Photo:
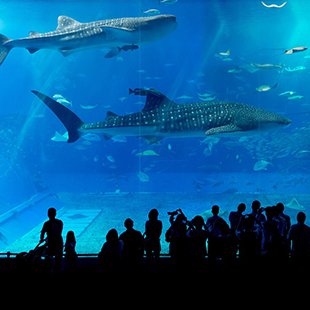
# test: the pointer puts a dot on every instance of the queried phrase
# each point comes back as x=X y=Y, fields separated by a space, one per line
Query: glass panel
x=192 y=150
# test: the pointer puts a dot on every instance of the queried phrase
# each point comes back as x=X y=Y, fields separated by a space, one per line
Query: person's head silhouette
x=51 y=213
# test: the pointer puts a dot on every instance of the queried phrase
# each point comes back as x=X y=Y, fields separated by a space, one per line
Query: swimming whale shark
x=161 y=117
x=118 y=34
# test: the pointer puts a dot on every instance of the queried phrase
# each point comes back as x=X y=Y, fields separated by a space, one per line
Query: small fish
x=143 y=177
x=147 y=153
x=287 y=93
x=274 y=5
x=110 y=158
x=205 y=94
x=57 y=96
x=264 y=88
x=295 y=50
x=207 y=98
x=267 y=66
x=184 y=97
x=168 y=1
x=226 y=53
x=261 y=165
x=234 y=70
x=303 y=154
x=152 y=11
x=60 y=138
x=297 y=68
x=88 y=107
x=62 y=100
x=119 y=138
x=295 y=97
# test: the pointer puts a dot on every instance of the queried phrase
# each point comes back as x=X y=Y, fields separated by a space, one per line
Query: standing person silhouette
x=133 y=250
x=71 y=257
x=52 y=228
x=152 y=233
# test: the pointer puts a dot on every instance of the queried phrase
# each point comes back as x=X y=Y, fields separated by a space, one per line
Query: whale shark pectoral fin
x=32 y=50
x=112 y=52
x=222 y=129
x=66 y=52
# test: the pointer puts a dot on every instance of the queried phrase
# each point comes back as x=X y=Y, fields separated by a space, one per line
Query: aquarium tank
x=112 y=108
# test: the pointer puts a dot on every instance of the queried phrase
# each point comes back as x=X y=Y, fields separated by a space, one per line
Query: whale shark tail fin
x=4 y=49
x=69 y=119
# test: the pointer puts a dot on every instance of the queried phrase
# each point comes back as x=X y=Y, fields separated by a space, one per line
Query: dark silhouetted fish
x=116 y=34
x=77 y=216
x=162 y=117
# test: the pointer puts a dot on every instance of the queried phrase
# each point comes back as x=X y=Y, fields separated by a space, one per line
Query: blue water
x=182 y=65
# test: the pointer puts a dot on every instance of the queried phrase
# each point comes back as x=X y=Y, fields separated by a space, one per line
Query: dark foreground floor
x=219 y=274
x=164 y=284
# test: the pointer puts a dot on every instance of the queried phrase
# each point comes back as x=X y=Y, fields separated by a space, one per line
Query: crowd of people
x=265 y=234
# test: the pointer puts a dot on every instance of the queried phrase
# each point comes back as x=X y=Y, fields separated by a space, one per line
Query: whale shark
x=117 y=34
x=162 y=117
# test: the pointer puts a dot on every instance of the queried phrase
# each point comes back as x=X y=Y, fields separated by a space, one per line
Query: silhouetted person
x=247 y=241
x=152 y=233
x=235 y=219
x=176 y=237
x=299 y=236
x=280 y=211
x=258 y=223
x=273 y=249
x=71 y=257
x=52 y=229
x=283 y=225
x=133 y=250
x=197 y=243
x=219 y=241
x=110 y=255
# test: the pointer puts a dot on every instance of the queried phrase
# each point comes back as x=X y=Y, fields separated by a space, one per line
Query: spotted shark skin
x=161 y=117
x=126 y=33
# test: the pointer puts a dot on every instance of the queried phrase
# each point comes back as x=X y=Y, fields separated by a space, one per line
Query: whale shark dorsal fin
x=154 y=98
x=34 y=33
x=65 y=22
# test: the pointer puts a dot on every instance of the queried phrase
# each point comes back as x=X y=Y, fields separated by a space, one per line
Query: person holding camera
x=176 y=236
x=197 y=241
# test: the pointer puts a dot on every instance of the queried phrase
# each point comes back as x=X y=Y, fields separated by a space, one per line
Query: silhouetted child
x=70 y=253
